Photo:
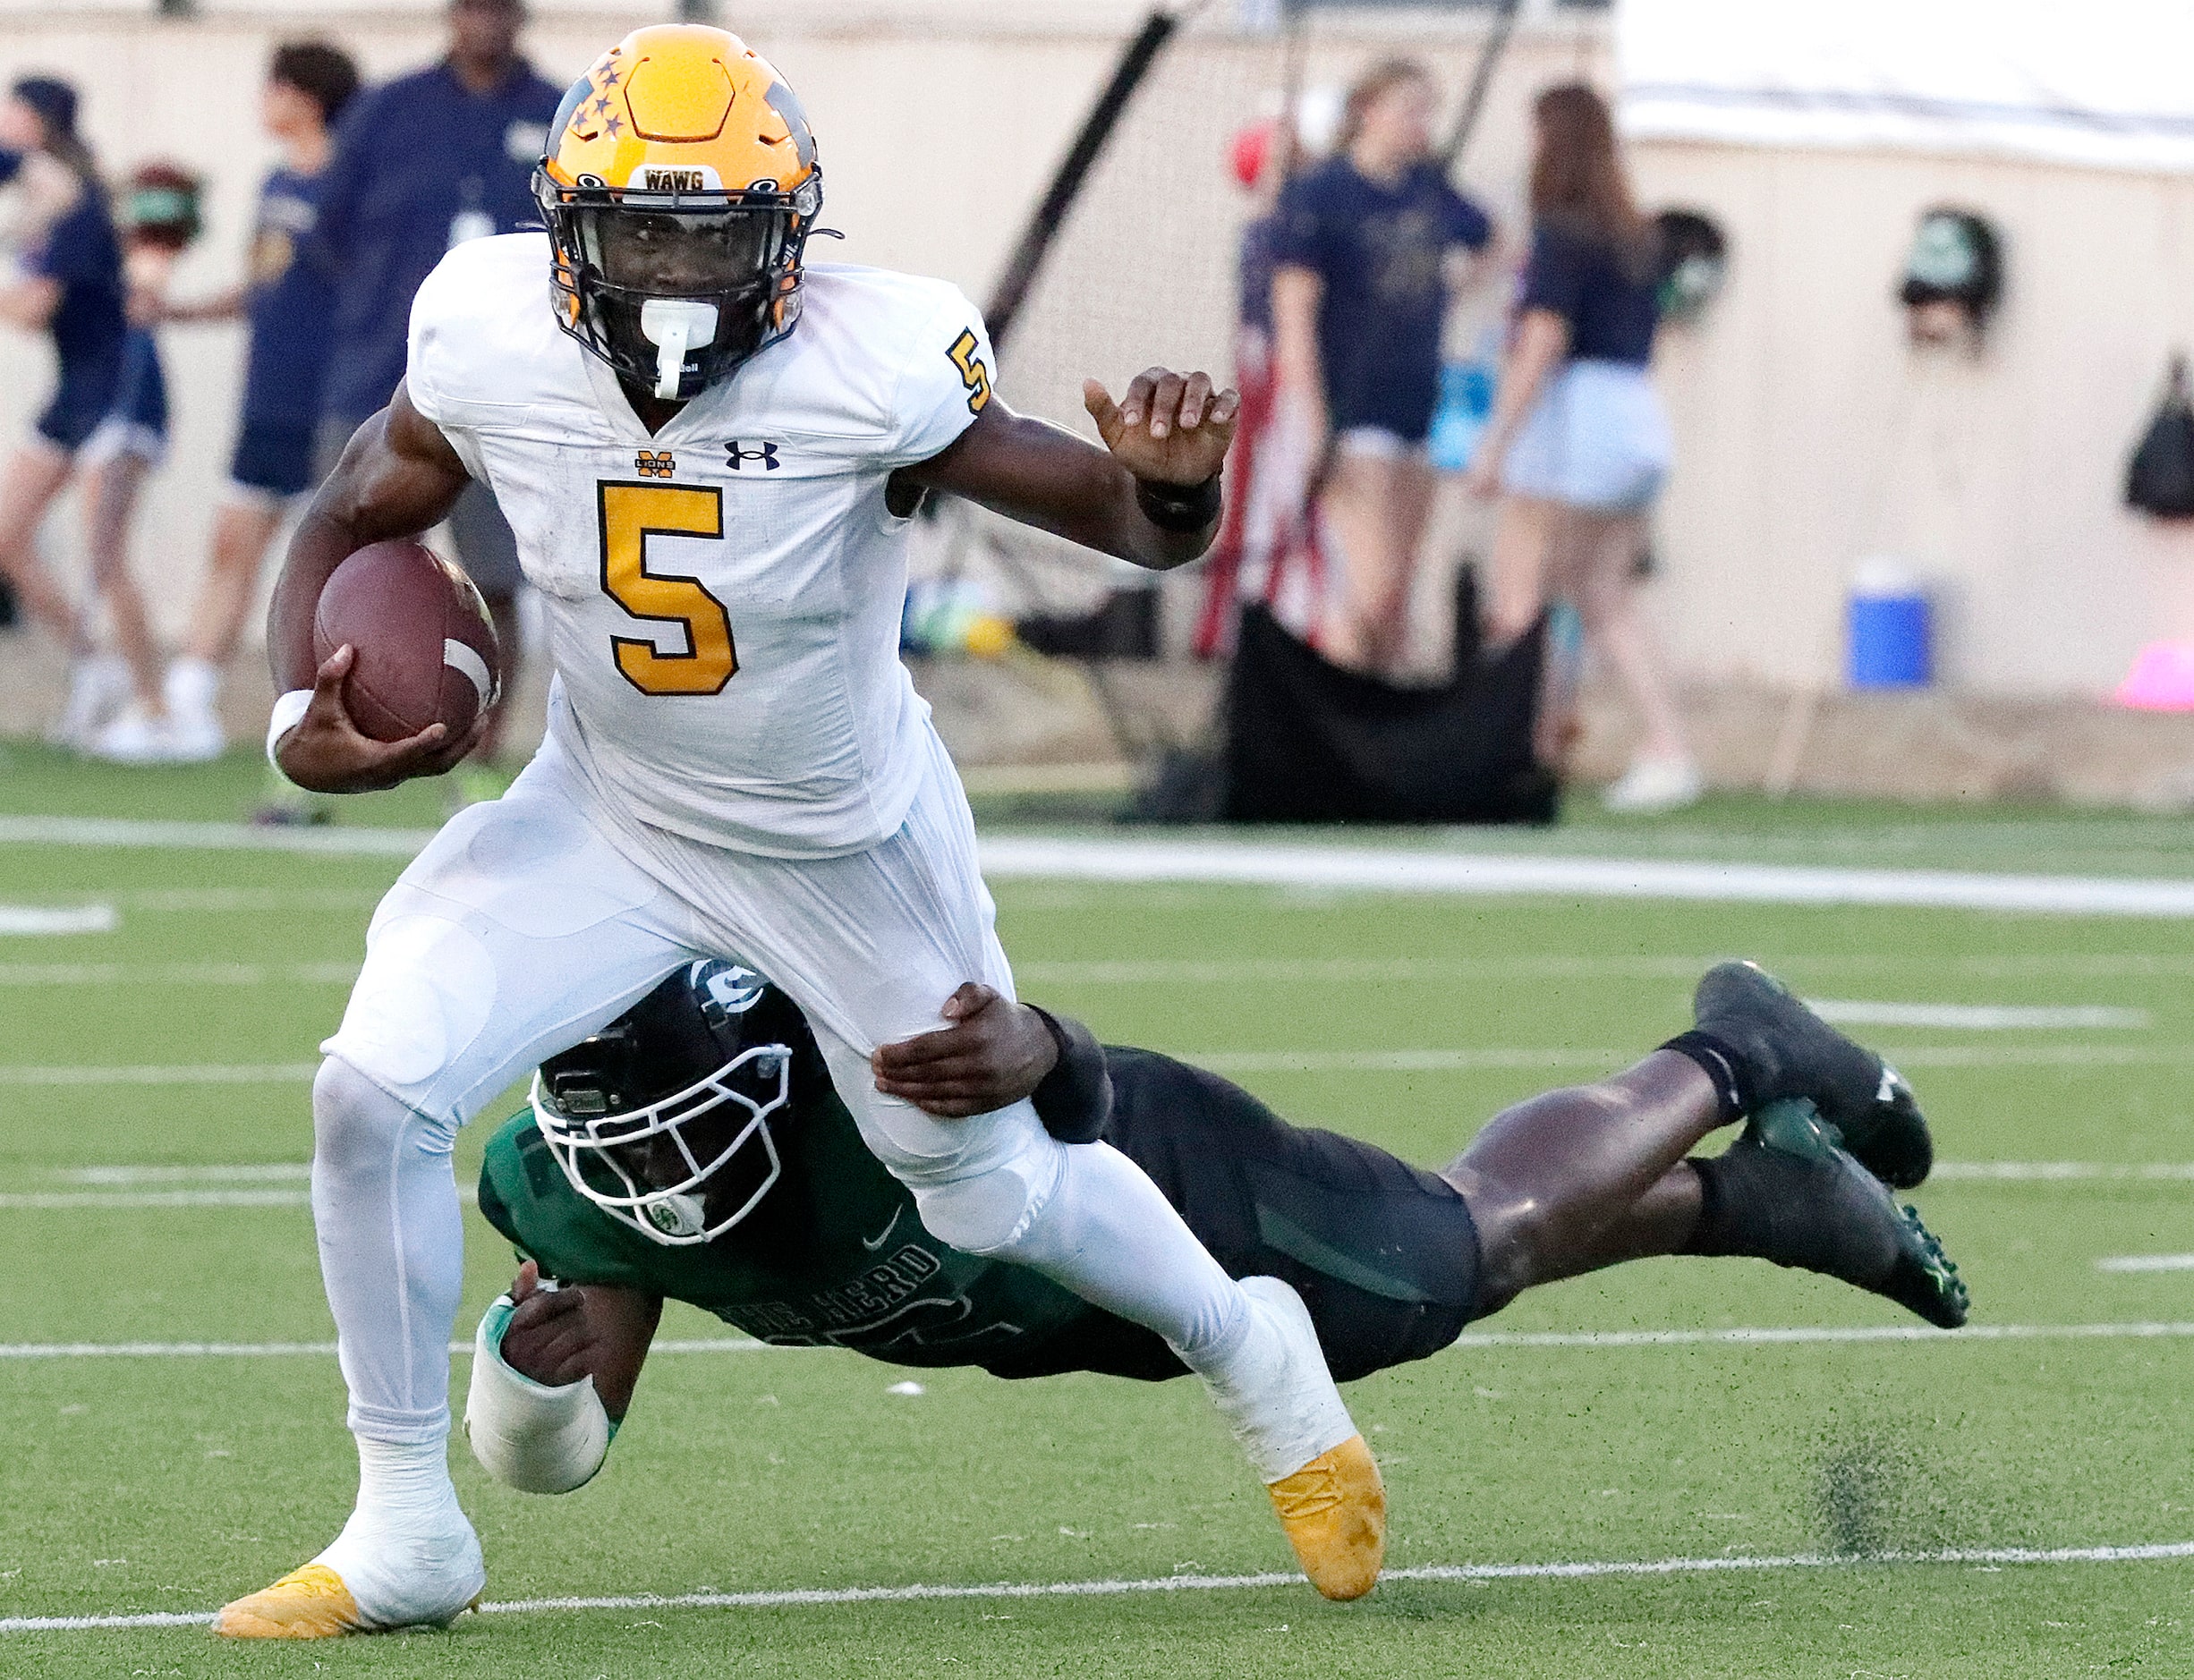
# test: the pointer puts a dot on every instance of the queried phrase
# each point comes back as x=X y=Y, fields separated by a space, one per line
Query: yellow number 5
x=974 y=375
x=630 y=514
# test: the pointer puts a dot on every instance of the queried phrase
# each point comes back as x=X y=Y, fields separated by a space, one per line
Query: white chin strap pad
x=534 y=1437
x=675 y=325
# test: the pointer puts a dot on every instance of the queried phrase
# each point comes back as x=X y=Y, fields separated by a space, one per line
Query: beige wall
x=1810 y=435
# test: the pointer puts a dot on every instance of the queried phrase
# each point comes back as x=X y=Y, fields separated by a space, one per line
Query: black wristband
x=1178 y=507
x=1075 y=1099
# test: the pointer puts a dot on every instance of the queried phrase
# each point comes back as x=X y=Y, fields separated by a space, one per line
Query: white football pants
x=529 y=923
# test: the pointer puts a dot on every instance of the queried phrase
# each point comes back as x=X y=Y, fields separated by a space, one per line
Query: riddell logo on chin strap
x=650 y=464
x=738 y=453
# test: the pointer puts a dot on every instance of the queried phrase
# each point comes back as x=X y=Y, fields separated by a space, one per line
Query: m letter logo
x=654 y=464
x=737 y=453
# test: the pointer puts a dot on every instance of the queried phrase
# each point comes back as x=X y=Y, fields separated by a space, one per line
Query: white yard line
x=173 y=1074
x=1436 y=970
x=211 y=837
x=2059 y=1172
x=1276 y=1061
x=57 y=1200
x=311 y=1349
x=44 y=974
x=1970 y=1557
x=1369 y=870
x=1607 y=1341
x=1438 y=1061
x=54 y=919
x=2146 y=1263
x=122 y=1177
x=1362 y=868
x=1850 y=1011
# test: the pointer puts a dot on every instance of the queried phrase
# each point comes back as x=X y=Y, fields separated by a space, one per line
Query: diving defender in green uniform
x=695 y=1150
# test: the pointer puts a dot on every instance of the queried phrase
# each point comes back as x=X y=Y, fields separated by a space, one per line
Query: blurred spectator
x=421 y=164
x=159 y=219
x=288 y=296
x=1364 y=243
x=68 y=283
x=1578 y=446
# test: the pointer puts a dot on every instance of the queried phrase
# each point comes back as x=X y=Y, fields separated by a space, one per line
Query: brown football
x=427 y=651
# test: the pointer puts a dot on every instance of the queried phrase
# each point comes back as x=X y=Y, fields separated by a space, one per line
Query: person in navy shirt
x=1365 y=244
x=68 y=285
x=288 y=298
x=424 y=163
x=1579 y=447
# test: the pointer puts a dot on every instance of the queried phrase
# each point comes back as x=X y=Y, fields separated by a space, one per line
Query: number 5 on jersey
x=631 y=514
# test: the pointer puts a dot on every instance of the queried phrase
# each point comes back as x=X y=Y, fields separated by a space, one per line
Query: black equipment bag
x=2160 y=478
x=1308 y=742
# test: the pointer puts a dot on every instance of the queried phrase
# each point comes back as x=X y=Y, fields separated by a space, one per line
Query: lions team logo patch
x=655 y=463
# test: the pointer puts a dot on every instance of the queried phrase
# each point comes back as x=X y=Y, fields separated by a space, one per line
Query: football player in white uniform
x=712 y=505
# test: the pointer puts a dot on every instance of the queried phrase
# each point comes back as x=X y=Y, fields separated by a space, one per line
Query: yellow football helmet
x=679 y=188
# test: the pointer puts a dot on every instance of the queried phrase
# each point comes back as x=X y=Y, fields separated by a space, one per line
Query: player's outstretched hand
x=558 y=1335
x=993 y=1053
x=1170 y=429
x=328 y=753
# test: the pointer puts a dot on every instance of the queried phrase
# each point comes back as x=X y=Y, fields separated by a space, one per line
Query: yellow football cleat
x=308 y=1603
x=1334 y=1510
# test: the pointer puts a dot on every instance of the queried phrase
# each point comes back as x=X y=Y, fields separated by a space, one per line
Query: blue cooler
x=1889 y=629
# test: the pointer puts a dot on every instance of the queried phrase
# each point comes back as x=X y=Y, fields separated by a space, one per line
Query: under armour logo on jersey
x=738 y=453
x=654 y=464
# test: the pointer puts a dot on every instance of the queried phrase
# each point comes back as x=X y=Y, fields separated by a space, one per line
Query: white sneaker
x=195 y=738
x=364 y=1584
x=1651 y=785
x=136 y=736
x=1278 y=1397
x=98 y=687
x=191 y=689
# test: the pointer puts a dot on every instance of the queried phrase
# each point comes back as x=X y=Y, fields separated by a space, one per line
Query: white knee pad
x=989 y=1212
x=531 y=1435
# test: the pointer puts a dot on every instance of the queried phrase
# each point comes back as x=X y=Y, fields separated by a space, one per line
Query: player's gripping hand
x=557 y=1336
x=328 y=753
x=992 y=1053
x=1170 y=429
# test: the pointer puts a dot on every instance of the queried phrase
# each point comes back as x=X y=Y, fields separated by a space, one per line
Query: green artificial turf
x=140 y=1484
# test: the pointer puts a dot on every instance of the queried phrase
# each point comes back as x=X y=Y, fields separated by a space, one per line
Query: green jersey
x=835 y=1255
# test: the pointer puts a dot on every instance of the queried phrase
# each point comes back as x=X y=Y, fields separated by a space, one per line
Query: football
x=426 y=647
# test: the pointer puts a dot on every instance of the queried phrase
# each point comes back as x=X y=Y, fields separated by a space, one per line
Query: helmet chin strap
x=673 y=326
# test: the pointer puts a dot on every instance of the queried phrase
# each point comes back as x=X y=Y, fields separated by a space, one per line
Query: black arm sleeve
x=1076 y=1098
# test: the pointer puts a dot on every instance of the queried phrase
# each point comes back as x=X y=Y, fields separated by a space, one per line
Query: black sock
x=1728 y=1070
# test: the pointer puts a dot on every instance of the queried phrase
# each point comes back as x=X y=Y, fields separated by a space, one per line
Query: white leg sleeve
x=1109 y=1233
x=392 y=1251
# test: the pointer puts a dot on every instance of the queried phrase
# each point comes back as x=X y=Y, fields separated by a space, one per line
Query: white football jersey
x=723 y=597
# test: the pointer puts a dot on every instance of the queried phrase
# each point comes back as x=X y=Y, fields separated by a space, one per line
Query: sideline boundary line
x=1363 y=869
x=1583 y=1570
x=1754 y=1336
x=1355 y=869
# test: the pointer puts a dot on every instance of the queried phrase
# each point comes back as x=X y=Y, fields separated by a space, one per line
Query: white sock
x=408 y=1555
x=191 y=686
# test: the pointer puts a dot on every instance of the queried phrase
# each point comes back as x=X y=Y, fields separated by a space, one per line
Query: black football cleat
x=1787 y=1051
x=1784 y=1192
